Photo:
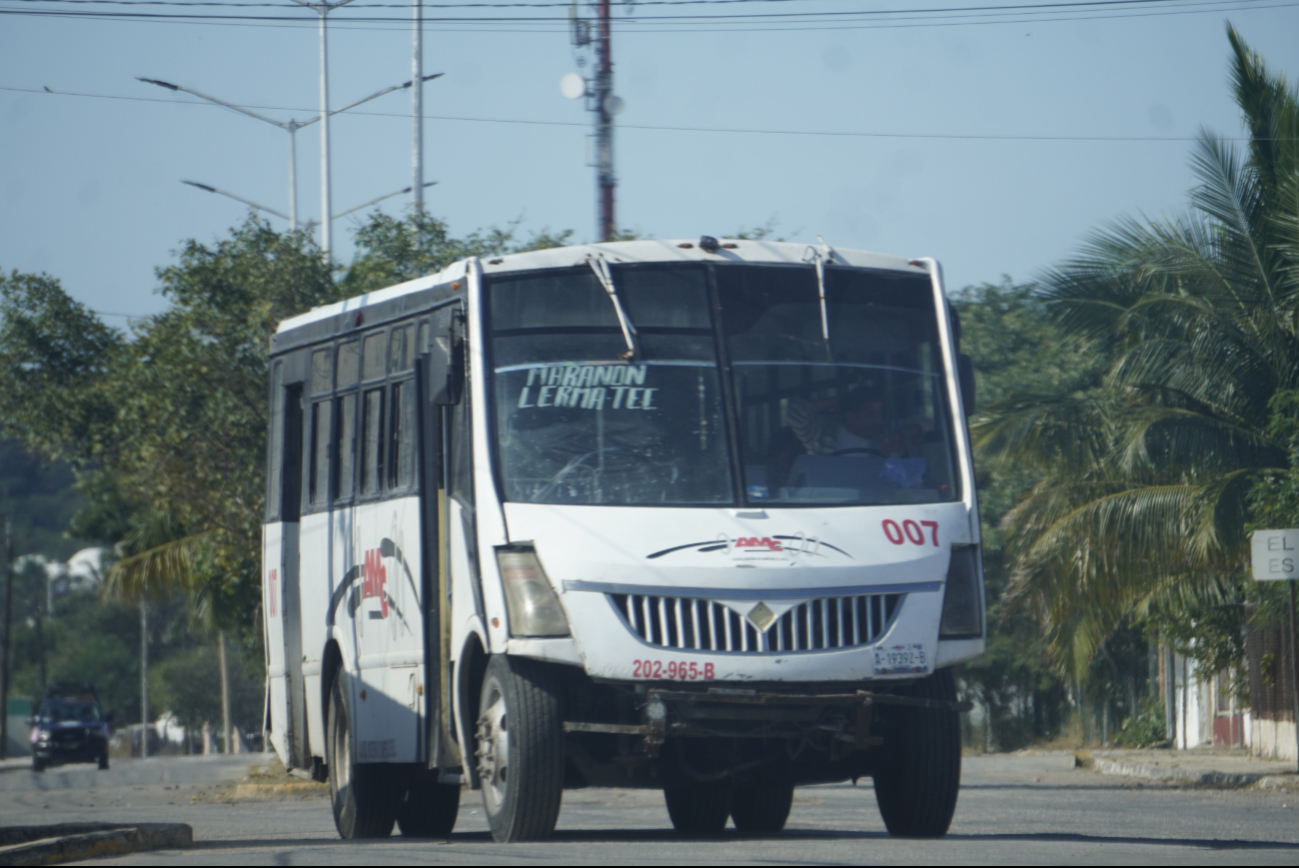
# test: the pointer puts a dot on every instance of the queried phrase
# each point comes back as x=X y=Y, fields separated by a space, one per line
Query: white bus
x=695 y=516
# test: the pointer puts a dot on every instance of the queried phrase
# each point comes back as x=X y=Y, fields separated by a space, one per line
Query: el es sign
x=1275 y=555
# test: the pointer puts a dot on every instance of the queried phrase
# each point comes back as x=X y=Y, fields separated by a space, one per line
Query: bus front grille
x=694 y=624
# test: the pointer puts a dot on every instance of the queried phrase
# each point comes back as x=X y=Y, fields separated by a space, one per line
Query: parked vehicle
x=693 y=516
x=69 y=727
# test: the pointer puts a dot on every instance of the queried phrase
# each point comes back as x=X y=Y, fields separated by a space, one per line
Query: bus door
x=439 y=374
x=282 y=612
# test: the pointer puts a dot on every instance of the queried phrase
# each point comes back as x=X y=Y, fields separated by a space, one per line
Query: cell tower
x=593 y=37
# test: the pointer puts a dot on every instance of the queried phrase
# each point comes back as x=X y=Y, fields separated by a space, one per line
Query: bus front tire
x=761 y=809
x=365 y=796
x=430 y=809
x=698 y=809
x=520 y=749
x=919 y=775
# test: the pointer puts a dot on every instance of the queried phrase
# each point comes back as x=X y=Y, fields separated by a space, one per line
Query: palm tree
x=1145 y=481
x=157 y=559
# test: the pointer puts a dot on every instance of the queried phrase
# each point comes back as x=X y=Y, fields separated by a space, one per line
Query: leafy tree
x=391 y=250
x=1144 y=481
x=1016 y=349
x=39 y=501
x=182 y=684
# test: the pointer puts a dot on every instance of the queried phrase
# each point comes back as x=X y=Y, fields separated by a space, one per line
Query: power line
x=1132 y=8
x=661 y=128
x=499 y=5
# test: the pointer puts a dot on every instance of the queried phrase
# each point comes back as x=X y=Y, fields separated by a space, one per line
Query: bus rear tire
x=520 y=751
x=365 y=796
x=761 y=809
x=698 y=809
x=919 y=775
x=430 y=809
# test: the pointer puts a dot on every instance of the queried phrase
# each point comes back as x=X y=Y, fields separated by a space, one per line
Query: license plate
x=901 y=660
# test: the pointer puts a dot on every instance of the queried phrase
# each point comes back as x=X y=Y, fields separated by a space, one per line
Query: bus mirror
x=965 y=372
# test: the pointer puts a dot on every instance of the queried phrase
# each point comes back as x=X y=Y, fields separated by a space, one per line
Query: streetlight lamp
x=250 y=203
x=207 y=188
x=290 y=126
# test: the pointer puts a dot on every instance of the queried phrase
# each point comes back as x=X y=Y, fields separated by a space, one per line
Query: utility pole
x=604 y=127
x=417 y=106
x=144 y=679
x=1170 y=695
x=4 y=667
x=225 y=692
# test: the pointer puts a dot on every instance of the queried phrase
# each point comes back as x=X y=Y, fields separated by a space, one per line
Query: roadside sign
x=1275 y=555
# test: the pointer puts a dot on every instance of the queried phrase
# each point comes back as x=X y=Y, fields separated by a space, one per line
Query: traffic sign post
x=1275 y=558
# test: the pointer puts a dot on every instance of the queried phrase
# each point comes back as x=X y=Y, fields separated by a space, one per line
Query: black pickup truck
x=70 y=727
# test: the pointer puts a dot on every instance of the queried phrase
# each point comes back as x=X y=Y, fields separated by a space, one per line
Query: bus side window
x=399 y=350
x=345 y=446
x=372 y=438
x=462 y=461
x=320 y=436
x=401 y=436
x=275 y=452
x=372 y=364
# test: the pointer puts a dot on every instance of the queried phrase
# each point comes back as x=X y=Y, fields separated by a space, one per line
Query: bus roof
x=668 y=250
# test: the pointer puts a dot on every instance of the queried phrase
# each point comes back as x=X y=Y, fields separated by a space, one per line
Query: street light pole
x=323 y=9
x=417 y=106
x=291 y=127
x=326 y=221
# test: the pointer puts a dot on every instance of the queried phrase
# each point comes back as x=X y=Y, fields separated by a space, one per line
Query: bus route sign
x=1275 y=555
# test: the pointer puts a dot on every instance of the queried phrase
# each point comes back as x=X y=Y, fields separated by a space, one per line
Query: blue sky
x=90 y=192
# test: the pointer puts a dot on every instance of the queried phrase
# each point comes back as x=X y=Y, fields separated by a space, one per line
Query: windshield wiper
x=601 y=269
x=818 y=256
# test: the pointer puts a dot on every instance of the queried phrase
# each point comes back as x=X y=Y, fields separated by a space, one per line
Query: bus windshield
x=859 y=418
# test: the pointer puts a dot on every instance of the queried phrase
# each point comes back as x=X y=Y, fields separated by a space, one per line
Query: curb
x=1185 y=776
x=1166 y=773
x=64 y=842
x=1279 y=782
x=270 y=791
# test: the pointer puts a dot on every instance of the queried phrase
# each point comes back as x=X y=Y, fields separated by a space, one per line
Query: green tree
x=1143 y=484
x=183 y=684
x=1016 y=349
x=390 y=250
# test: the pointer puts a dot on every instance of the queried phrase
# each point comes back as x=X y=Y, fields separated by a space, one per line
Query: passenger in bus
x=858 y=426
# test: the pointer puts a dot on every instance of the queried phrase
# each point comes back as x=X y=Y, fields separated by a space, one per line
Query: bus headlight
x=532 y=606
x=962 y=618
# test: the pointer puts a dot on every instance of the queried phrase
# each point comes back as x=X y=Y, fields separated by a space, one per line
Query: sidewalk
x=1207 y=766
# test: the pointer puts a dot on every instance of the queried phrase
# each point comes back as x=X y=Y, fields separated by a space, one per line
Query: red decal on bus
x=375 y=577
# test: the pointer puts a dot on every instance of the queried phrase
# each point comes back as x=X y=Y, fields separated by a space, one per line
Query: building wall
x=1274 y=739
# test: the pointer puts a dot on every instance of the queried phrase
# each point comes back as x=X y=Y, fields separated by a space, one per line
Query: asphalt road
x=1013 y=809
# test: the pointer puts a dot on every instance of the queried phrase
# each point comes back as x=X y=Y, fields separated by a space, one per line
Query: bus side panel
x=317 y=585
x=384 y=615
x=273 y=625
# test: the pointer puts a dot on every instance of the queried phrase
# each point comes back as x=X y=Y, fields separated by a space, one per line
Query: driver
x=858 y=426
